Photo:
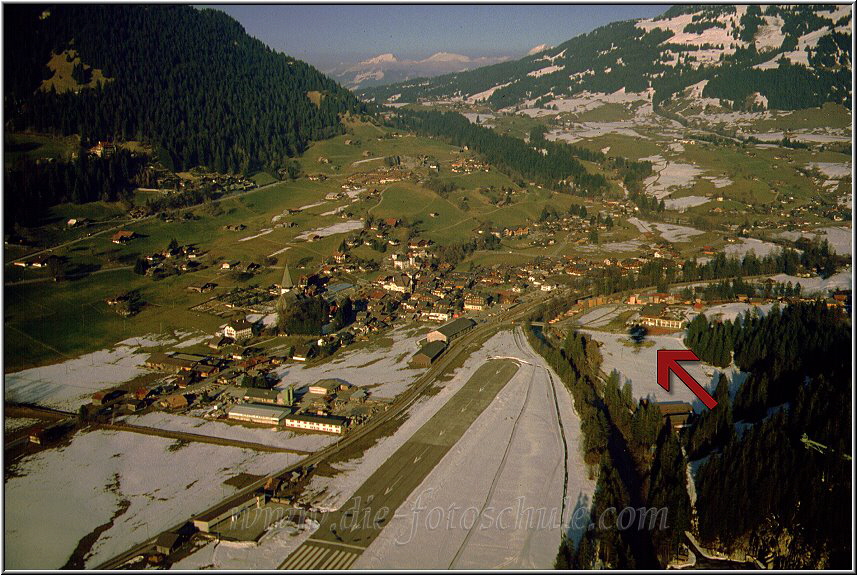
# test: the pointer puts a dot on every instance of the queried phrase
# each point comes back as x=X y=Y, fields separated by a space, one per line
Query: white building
x=326 y=423
x=255 y=413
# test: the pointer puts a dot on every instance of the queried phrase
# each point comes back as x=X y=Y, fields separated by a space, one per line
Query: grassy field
x=17 y=145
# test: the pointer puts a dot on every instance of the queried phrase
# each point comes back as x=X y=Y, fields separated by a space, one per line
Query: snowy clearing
x=674 y=234
x=730 y=311
x=60 y=495
x=669 y=176
x=840 y=280
x=384 y=369
x=639 y=367
x=339 y=228
x=747 y=245
x=259 y=235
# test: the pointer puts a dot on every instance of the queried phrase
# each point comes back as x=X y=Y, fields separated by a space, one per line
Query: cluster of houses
x=468 y=165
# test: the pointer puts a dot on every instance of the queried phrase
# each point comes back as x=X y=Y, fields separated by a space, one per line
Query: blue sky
x=325 y=35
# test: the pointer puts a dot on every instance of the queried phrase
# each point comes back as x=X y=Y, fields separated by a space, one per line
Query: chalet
x=399 y=283
x=675 y=413
x=268 y=396
x=452 y=330
x=122 y=237
x=340 y=257
x=230 y=265
x=391 y=222
x=654 y=315
x=475 y=302
x=103 y=149
x=106 y=397
x=238 y=329
x=219 y=342
x=164 y=362
x=174 y=402
x=303 y=352
x=202 y=288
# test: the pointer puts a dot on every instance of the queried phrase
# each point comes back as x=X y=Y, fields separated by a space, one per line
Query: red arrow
x=668 y=361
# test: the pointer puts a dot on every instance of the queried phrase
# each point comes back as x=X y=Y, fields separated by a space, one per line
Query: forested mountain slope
x=190 y=81
x=783 y=57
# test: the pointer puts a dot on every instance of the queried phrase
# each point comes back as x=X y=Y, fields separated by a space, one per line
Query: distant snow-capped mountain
x=387 y=68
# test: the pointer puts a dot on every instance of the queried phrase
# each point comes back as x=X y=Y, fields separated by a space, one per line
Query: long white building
x=255 y=413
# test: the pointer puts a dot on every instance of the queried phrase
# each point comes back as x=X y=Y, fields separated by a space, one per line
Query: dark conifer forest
x=190 y=81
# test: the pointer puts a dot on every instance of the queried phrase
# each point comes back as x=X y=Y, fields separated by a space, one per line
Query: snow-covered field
x=639 y=367
x=682 y=204
x=669 y=176
x=839 y=237
x=69 y=384
x=674 y=234
x=264 y=232
x=338 y=228
x=747 y=245
x=265 y=436
x=729 y=311
x=384 y=368
x=509 y=512
x=669 y=232
x=840 y=280
x=58 y=496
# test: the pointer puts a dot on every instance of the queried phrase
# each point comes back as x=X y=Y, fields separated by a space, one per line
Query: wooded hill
x=190 y=81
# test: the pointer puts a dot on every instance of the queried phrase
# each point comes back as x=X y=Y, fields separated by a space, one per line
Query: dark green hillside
x=190 y=81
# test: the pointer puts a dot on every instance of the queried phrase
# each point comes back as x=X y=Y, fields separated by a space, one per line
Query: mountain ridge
x=785 y=57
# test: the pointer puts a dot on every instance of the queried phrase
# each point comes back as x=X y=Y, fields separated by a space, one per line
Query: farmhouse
x=122 y=237
x=255 y=413
x=428 y=354
x=675 y=413
x=475 y=302
x=452 y=330
x=238 y=329
x=164 y=362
